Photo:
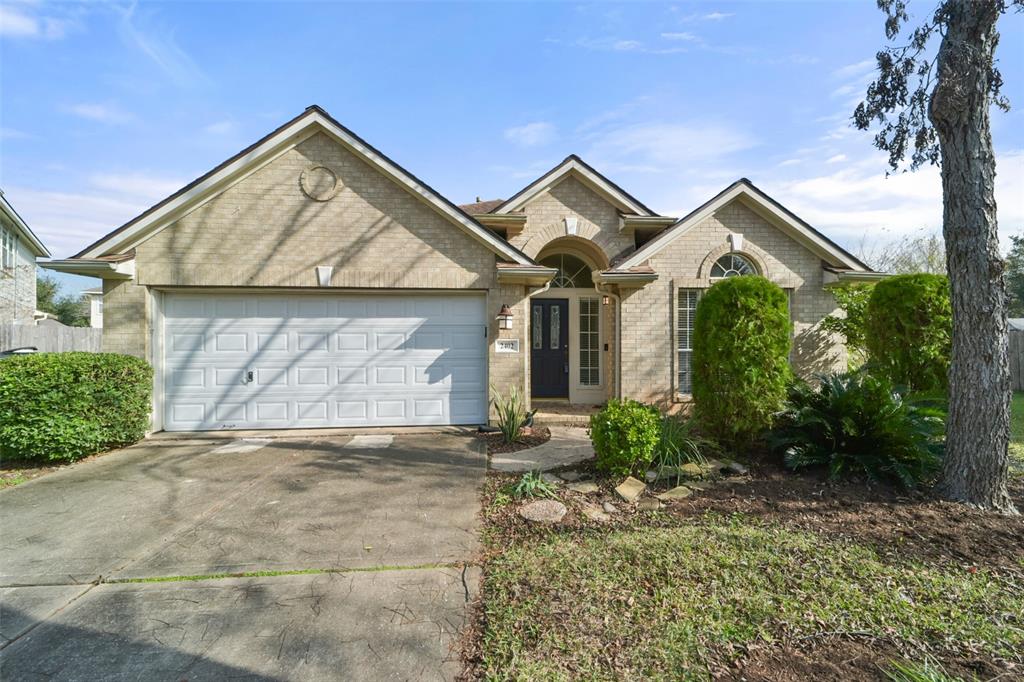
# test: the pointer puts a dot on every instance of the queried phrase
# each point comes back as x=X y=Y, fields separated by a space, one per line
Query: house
x=94 y=297
x=19 y=248
x=311 y=281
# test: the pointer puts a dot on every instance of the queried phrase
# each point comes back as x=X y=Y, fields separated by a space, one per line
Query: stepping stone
x=584 y=487
x=551 y=478
x=678 y=493
x=570 y=476
x=595 y=513
x=543 y=511
x=649 y=504
x=630 y=489
x=609 y=508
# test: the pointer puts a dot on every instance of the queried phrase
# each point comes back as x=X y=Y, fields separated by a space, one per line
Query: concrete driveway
x=355 y=550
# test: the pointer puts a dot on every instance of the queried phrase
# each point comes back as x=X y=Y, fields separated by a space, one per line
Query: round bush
x=624 y=434
x=65 y=406
x=740 y=357
x=910 y=329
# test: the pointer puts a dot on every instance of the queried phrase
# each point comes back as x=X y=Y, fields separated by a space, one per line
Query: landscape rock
x=651 y=476
x=713 y=465
x=649 y=504
x=543 y=511
x=630 y=489
x=737 y=468
x=610 y=508
x=699 y=485
x=584 y=487
x=691 y=470
x=595 y=513
x=570 y=476
x=678 y=493
x=551 y=478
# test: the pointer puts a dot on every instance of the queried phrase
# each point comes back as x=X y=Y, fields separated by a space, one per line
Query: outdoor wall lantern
x=505 y=317
x=605 y=300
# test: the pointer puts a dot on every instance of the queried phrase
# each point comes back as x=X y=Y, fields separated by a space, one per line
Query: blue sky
x=107 y=108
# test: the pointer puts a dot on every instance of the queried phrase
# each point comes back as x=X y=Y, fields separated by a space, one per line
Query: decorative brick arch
x=590 y=252
x=749 y=251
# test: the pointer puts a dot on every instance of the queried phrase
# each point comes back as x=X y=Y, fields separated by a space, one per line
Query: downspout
x=618 y=336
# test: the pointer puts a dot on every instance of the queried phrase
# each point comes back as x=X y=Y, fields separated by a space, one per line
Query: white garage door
x=267 y=361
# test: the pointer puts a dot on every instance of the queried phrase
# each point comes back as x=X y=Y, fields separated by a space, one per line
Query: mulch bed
x=528 y=438
x=899 y=525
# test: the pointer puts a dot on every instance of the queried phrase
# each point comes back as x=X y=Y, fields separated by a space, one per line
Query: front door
x=549 y=348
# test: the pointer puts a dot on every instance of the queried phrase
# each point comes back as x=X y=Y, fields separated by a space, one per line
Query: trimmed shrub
x=624 y=434
x=910 y=330
x=740 y=358
x=65 y=406
x=859 y=424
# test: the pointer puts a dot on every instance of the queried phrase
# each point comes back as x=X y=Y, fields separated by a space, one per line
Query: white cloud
x=857 y=70
x=838 y=158
x=859 y=204
x=532 y=134
x=69 y=221
x=161 y=46
x=13 y=134
x=15 y=22
x=104 y=113
x=220 y=128
x=658 y=146
x=790 y=162
x=626 y=45
x=136 y=186
x=681 y=35
x=718 y=16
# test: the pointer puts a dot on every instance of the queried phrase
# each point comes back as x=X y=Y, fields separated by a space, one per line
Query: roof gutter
x=638 y=278
x=90 y=267
x=838 y=278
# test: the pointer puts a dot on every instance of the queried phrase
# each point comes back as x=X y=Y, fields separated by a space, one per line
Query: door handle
x=248 y=377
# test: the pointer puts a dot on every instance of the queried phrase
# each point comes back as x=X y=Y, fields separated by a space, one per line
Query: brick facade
x=648 y=333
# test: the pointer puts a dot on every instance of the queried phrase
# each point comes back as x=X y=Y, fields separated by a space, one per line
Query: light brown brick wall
x=125 y=310
x=265 y=232
x=648 y=338
x=598 y=219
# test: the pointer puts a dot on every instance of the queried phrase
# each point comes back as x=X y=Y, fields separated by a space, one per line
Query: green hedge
x=625 y=433
x=740 y=358
x=65 y=406
x=910 y=330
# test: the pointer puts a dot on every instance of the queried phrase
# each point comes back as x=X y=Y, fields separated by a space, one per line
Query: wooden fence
x=1017 y=359
x=50 y=337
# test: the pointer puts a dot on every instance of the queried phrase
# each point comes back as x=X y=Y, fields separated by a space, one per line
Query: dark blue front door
x=549 y=348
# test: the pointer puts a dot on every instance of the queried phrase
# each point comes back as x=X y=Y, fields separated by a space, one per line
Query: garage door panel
x=323 y=360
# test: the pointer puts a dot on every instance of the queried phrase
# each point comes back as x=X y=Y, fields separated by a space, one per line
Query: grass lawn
x=775 y=576
x=1017 y=435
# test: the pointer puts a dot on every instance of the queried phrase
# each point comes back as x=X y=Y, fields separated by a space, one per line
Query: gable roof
x=34 y=243
x=478 y=207
x=573 y=164
x=314 y=119
x=769 y=209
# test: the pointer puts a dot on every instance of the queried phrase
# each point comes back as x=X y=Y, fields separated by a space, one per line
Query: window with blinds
x=686 y=311
x=590 y=346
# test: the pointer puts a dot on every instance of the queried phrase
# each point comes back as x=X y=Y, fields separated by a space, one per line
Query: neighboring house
x=19 y=248
x=95 y=299
x=312 y=281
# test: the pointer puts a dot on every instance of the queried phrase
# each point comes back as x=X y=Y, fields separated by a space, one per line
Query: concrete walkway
x=109 y=568
x=568 y=445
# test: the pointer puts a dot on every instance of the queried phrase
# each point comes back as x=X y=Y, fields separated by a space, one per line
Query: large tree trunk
x=976 y=467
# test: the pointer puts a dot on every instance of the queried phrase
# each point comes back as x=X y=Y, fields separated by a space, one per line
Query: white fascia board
x=778 y=217
x=264 y=154
x=92 y=268
x=547 y=182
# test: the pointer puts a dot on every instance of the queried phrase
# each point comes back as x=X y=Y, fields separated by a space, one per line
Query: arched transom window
x=573 y=273
x=731 y=265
